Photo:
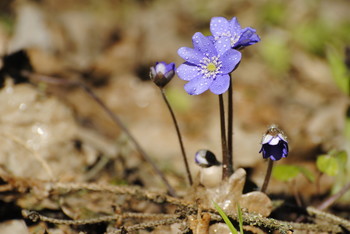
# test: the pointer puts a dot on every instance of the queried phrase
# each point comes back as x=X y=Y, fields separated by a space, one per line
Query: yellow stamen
x=211 y=67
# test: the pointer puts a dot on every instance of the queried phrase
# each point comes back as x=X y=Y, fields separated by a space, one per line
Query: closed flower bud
x=206 y=158
x=162 y=73
x=274 y=144
x=210 y=172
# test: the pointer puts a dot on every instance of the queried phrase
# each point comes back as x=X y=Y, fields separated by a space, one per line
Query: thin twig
x=35 y=216
x=330 y=201
x=145 y=225
x=329 y=217
x=113 y=116
x=189 y=176
x=267 y=176
x=225 y=161
x=230 y=128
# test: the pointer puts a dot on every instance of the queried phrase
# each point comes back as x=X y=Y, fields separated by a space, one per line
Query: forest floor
x=72 y=71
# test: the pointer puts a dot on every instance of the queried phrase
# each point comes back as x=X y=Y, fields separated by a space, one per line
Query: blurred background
x=295 y=77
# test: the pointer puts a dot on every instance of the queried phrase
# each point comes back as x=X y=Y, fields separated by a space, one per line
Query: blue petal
x=203 y=44
x=169 y=67
x=220 y=84
x=248 y=37
x=198 y=85
x=190 y=55
x=229 y=60
x=211 y=38
x=187 y=71
x=219 y=26
x=235 y=27
x=222 y=45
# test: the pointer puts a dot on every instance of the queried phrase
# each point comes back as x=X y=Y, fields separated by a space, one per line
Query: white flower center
x=234 y=39
x=210 y=67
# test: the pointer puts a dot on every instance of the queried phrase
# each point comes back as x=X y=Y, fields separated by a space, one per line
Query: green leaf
x=225 y=218
x=285 y=172
x=307 y=173
x=347 y=128
x=342 y=158
x=240 y=218
x=327 y=164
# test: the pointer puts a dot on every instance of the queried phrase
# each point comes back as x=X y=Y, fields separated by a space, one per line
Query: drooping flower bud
x=206 y=158
x=210 y=172
x=162 y=73
x=274 y=144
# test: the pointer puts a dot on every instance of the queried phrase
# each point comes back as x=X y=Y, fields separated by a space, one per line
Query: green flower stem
x=230 y=129
x=267 y=176
x=179 y=136
x=225 y=159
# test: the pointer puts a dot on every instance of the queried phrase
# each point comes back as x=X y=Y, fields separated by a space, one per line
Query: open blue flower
x=162 y=73
x=230 y=34
x=207 y=66
x=274 y=144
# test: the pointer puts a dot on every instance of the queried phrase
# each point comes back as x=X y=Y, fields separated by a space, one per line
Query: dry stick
x=329 y=217
x=35 y=216
x=230 y=129
x=329 y=201
x=138 y=192
x=267 y=176
x=179 y=136
x=146 y=225
x=115 y=119
x=167 y=219
x=225 y=173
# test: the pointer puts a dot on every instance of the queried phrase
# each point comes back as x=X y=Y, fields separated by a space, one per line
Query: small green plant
x=334 y=164
x=228 y=221
x=288 y=172
x=240 y=218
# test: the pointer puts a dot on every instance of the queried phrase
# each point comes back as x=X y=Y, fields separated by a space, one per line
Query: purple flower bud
x=274 y=144
x=162 y=73
x=206 y=158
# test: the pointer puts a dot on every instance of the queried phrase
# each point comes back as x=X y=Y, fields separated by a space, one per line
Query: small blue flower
x=274 y=144
x=206 y=158
x=229 y=33
x=206 y=66
x=162 y=73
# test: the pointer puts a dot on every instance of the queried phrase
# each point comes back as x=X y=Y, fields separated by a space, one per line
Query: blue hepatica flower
x=230 y=34
x=162 y=73
x=207 y=66
x=274 y=144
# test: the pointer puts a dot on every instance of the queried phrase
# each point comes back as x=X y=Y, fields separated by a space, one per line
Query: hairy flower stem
x=225 y=159
x=267 y=176
x=113 y=116
x=179 y=136
x=230 y=129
